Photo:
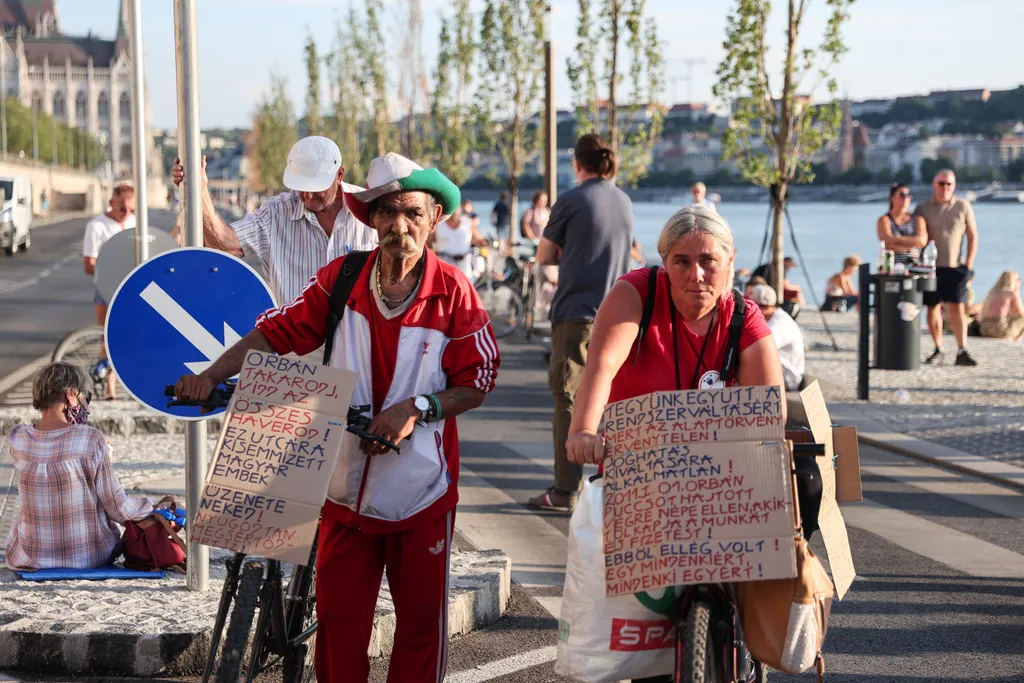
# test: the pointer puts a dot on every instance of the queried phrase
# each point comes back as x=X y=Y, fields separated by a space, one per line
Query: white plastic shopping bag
x=602 y=640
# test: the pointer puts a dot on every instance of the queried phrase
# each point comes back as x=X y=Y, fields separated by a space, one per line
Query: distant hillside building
x=82 y=81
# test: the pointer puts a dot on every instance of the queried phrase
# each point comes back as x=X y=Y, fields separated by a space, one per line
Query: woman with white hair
x=685 y=345
x=70 y=497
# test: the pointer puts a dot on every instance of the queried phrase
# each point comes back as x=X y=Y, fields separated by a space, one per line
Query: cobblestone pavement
x=976 y=410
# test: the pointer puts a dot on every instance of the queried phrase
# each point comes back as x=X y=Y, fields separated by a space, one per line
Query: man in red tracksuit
x=420 y=340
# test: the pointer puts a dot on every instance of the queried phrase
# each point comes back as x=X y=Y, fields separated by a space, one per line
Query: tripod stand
x=799 y=255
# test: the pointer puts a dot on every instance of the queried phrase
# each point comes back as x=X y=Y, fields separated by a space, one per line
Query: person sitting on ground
x=535 y=219
x=790 y=291
x=840 y=290
x=636 y=252
x=70 y=498
x=748 y=289
x=788 y=337
x=1002 y=313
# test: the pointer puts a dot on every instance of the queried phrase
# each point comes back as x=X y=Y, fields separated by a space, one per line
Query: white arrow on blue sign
x=177 y=313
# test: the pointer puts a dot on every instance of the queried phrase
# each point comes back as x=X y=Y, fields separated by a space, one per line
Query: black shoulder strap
x=645 y=318
x=732 y=351
x=350 y=269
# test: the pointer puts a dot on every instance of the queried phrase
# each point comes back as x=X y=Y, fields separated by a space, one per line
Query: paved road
x=44 y=294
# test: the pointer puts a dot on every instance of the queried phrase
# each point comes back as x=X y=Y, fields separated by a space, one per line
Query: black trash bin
x=898 y=321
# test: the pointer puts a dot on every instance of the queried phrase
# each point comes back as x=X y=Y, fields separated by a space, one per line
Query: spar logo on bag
x=636 y=635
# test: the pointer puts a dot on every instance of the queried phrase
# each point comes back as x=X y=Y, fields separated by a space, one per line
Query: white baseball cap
x=313 y=164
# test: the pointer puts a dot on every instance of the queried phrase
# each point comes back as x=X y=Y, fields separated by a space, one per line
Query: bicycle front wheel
x=84 y=348
x=695 y=652
x=504 y=305
x=237 y=638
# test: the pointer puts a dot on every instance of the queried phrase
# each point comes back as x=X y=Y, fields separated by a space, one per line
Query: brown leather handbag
x=785 y=620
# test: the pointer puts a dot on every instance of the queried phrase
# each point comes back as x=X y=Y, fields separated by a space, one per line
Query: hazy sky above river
x=896 y=46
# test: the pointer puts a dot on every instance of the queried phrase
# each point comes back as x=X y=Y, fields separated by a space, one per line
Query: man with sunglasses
x=119 y=216
x=948 y=222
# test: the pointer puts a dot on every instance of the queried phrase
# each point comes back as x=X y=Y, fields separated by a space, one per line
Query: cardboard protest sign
x=678 y=417
x=270 y=471
x=830 y=518
x=705 y=510
x=847 y=452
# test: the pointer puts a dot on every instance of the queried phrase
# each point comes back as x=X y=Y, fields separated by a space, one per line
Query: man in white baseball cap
x=296 y=233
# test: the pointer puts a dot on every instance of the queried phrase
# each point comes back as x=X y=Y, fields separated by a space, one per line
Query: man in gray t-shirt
x=589 y=236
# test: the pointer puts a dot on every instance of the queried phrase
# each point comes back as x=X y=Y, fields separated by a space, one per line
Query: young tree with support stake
x=512 y=44
x=313 y=87
x=451 y=115
x=274 y=130
x=347 y=95
x=632 y=127
x=791 y=133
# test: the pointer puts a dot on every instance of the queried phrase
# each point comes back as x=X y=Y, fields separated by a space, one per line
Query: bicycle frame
x=724 y=628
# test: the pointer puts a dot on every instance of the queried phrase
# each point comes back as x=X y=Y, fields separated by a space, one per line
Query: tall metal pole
x=550 y=112
x=35 y=132
x=139 y=135
x=186 y=56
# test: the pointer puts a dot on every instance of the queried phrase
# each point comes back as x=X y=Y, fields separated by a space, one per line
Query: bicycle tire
x=299 y=665
x=531 y=305
x=694 y=650
x=240 y=626
x=75 y=340
x=504 y=306
x=82 y=348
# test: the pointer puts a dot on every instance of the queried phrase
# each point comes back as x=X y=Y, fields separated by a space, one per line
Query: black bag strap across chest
x=343 y=284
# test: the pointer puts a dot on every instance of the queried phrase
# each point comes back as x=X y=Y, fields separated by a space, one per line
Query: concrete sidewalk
x=147 y=627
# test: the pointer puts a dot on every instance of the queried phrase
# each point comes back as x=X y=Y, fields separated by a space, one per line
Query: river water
x=828 y=232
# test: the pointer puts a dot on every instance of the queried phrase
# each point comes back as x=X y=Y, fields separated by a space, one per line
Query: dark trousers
x=569 y=341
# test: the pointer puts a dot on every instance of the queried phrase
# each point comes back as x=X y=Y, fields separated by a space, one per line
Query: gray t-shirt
x=593 y=224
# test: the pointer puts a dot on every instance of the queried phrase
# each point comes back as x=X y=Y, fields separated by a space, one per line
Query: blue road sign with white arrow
x=177 y=313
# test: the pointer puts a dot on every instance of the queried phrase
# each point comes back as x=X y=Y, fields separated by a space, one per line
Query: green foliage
x=313 y=87
x=789 y=134
x=51 y=136
x=929 y=167
x=347 y=94
x=373 y=47
x=512 y=40
x=451 y=113
x=275 y=133
x=1015 y=171
x=631 y=126
x=858 y=175
x=905 y=175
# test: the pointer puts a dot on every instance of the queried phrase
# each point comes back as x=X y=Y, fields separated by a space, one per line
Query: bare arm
x=972 y=238
x=898 y=242
x=89 y=265
x=548 y=253
x=478 y=240
x=459 y=400
x=217 y=234
x=760 y=366
x=1017 y=307
x=195 y=387
x=615 y=330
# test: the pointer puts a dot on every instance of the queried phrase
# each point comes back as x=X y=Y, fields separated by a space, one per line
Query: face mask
x=78 y=415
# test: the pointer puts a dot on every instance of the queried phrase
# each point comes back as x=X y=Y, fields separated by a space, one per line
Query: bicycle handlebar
x=817 y=449
x=357 y=422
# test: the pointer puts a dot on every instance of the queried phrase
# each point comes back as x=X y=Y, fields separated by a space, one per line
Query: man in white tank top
x=453 y=241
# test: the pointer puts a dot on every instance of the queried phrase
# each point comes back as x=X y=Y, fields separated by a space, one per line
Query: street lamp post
x=139 y=135
x=550 y=111
x=186 y=55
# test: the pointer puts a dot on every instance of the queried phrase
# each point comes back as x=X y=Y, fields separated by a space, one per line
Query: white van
x=16 y=214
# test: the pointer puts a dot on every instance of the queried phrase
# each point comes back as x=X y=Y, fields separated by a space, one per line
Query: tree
x=929 y=167
x=1015 y=171
x=632 y=127
x=274 y=130
x=791 y=131
x=313 y=87
x=413 y=82
x=449 y=111
x=373 y=46
x=905 y=175
x=512 y=33
x=347 y=95
x=19 y=138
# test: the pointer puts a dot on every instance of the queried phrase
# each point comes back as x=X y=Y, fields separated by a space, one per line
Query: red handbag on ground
x=152 y=544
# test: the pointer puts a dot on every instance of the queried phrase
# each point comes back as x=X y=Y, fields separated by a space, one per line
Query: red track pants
x=349 y=567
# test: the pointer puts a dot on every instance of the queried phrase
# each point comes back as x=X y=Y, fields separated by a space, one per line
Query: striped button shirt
x=287 y=239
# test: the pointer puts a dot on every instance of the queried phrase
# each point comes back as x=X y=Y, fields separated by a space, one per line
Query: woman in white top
x=453 y=241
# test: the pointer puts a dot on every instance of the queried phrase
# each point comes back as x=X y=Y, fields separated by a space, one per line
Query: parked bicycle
x=500 y=291
x=285 y=632
x=84 y=348
x=709 y=641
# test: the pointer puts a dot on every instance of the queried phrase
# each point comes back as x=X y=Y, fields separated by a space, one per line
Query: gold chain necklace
x=388 y=300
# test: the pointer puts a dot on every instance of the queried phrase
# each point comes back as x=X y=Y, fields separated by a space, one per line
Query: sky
x=895 y=46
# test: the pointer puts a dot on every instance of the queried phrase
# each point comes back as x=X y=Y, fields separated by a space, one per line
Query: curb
x=480 y=587
x=141 y=422
x=23 y=373
x=873 y=433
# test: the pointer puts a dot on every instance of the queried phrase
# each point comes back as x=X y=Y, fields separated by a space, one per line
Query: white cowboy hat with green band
x=394 y=173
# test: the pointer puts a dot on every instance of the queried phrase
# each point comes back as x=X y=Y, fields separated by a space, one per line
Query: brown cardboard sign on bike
x=270 y=471
x=697 y=490
x=830 y=518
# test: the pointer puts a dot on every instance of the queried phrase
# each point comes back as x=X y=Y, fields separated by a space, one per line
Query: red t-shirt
x=655 y=369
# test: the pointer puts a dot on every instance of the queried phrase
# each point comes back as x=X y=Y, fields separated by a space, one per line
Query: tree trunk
x=613 y=113
x=777 y=271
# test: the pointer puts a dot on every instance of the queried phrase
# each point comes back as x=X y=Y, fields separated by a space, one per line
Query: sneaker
x=964 y=358
x=935 y=357
x=553 y=499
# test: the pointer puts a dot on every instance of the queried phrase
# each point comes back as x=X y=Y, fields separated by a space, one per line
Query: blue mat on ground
x=99 y=574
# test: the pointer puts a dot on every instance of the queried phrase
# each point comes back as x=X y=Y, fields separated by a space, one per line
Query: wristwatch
x=428 y=407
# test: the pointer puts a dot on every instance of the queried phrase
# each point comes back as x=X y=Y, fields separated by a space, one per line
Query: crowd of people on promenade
x=619 y=330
